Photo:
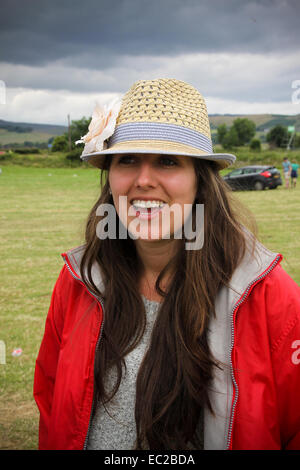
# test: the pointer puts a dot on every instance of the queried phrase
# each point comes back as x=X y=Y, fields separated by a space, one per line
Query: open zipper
x=100 y=300
x=93 y=403
x=233 y=313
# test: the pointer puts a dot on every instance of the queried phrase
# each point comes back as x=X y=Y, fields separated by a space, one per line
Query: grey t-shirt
x=114 y=428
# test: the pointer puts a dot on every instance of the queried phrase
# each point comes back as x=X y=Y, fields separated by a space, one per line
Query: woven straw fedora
x=162 y=116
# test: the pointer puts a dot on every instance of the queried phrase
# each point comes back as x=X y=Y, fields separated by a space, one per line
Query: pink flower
x=101 y=127
x=17 y=352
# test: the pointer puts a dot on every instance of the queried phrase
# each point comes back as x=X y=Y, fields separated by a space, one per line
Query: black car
x=254 y=177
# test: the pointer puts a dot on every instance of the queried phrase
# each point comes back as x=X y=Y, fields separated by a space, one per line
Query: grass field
x=43 y=213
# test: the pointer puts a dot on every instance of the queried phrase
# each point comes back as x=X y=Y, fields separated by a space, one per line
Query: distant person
x=287 y=168
x=294 y=174
x=151 y=343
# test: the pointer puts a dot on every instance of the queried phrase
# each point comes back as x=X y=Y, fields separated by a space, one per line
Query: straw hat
x=163 y=116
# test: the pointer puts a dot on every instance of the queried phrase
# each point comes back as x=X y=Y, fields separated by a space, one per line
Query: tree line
x=241 y=133
x=243 y=130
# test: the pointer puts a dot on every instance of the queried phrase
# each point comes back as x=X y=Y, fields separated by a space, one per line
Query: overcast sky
x=58 y=57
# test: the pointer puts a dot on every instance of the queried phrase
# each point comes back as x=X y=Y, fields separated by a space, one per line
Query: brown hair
x=173 y=380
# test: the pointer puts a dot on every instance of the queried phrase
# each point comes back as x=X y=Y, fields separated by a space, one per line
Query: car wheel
x=258 y=186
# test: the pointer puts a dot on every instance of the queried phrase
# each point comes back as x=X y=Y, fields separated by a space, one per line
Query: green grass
x=43 y=213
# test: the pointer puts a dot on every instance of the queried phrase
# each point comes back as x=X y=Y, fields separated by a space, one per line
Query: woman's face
x=157 y=191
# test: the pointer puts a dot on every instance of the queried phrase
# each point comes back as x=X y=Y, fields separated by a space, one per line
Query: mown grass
x=43 y=213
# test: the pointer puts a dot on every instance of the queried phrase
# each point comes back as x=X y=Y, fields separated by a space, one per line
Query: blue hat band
x=160 y=131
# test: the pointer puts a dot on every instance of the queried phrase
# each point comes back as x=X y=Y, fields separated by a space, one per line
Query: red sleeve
x=285 y=349
x=46 y=363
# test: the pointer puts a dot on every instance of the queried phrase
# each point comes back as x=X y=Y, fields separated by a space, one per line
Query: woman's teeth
x=140 y=204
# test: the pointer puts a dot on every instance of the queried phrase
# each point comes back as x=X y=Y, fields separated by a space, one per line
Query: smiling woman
x=151 y=343
x=152 y=184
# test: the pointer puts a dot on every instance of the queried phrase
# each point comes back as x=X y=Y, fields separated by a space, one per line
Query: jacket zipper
x=97 y=344
x=93 y=403
x=236 y=306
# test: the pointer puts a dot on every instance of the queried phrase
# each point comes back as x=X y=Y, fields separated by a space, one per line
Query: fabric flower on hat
x=101 y=127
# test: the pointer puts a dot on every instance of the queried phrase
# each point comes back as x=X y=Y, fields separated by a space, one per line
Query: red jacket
x=264 y=355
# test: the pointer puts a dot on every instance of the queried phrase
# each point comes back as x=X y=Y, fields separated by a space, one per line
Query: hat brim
x=97 y=158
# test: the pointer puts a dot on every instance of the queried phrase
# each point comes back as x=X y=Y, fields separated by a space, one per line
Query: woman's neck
x=154 y=256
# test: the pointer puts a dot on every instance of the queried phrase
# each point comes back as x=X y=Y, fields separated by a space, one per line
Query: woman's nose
x=145 y=176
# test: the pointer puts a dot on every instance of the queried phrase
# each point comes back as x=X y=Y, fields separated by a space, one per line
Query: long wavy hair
x=174 y=377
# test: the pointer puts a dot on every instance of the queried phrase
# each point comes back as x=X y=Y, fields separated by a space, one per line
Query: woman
x=177 y=332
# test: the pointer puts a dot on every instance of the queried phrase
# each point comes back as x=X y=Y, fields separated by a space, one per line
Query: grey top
x=114 y=428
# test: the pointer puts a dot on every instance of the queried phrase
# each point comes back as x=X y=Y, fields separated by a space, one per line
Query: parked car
x=254 y=177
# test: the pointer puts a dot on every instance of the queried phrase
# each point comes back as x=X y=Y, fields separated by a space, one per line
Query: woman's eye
x=167 y=161
x=126 y=160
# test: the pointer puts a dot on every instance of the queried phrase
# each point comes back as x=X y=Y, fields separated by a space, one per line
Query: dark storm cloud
x=96 y=33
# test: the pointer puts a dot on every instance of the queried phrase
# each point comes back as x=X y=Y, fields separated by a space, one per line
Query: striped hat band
x=152 y=131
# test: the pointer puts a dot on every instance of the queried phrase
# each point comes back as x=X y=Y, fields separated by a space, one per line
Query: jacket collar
x=72 y=259
x=255 y=263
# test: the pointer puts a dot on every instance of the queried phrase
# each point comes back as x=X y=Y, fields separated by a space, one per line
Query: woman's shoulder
x=256 y=263
x=272 y=283
x=283 y=294
x=282 y=290
x=270 y=291
x=72 y=260
x=68 y=285
x=70 y=297
x=275 y=301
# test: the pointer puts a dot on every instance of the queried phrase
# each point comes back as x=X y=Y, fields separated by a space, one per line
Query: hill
x=263 y=122
x=21 y=132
